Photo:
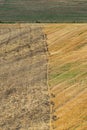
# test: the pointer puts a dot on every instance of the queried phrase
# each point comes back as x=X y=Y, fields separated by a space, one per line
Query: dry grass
x=23 y=65
x=24 y=98
x=67 y=44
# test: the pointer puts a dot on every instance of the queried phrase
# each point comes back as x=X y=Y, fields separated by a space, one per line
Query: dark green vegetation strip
x=43 y=11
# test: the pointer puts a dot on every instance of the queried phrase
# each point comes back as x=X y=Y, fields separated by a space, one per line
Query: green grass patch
x=68 y=72
x=43 y=11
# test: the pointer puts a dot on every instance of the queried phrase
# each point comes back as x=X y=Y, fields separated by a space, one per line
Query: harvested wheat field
x=43 y=76
x=24 y=97
x=67 y=44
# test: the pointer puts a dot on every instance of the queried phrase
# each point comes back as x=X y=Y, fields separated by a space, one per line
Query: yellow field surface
x=67 y=45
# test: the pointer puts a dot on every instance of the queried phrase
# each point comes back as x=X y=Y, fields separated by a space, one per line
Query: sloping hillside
x=67 y=44
x=33 y=57
x=43 y=10
x=24 y=97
